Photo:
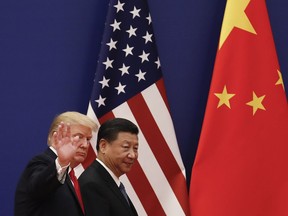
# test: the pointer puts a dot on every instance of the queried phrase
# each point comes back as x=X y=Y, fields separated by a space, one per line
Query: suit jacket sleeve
x=42 y=174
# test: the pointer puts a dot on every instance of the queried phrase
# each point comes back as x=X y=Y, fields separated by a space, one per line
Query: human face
x=85 y=134
x=120 y=154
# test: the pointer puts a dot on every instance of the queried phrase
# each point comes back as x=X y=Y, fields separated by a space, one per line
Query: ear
x=103 y=146
x=52 y=140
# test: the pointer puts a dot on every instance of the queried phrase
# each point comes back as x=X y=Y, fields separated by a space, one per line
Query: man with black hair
x=117 y=149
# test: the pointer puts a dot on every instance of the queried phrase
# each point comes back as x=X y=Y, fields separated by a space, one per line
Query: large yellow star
x=224 y=98
x=235 y=17
x=256 y=103
x=280 y=80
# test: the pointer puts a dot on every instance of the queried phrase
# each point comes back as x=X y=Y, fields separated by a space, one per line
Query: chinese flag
x=241 y=166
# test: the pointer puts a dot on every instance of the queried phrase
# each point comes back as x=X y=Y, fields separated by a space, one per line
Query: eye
x=81 y=137
x=125 y=147
x=78 y=135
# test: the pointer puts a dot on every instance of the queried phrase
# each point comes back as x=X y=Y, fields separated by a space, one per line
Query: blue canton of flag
x=129 y=61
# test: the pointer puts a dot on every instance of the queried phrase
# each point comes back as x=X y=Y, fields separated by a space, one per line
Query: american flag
x=128 y=83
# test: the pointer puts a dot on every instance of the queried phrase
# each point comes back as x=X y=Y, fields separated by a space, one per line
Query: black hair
x=109 y=130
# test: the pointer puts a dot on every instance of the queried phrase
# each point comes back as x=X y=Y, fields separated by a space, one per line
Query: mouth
x=129 y=163
x=82 y=154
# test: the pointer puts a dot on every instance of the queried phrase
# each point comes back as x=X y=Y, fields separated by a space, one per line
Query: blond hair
x=72 y=118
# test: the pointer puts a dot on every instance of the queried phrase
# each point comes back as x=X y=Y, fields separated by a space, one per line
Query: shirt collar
x=115 y=178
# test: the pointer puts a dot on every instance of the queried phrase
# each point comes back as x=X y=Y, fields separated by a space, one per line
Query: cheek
x=121 y=157
x=79 y=158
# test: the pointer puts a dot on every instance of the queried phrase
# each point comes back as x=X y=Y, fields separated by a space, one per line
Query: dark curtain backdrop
x=48 y=56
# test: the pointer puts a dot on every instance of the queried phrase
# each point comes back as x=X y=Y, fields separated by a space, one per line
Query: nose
x=132 y=154
x=85 y=143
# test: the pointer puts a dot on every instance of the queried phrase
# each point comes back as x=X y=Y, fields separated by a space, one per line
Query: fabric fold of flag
x=129 y=84
x=241 y=162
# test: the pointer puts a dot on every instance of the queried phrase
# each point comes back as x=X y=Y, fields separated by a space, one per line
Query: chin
x=80 y=159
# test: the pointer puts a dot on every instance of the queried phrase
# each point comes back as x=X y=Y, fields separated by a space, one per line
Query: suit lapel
x=113 y=186
x=110 y=181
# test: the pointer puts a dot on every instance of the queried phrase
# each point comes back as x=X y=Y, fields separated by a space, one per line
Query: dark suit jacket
x=101 y=195
x=40 y=193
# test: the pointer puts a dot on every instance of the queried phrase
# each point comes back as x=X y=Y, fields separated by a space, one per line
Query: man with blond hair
x=48 y=185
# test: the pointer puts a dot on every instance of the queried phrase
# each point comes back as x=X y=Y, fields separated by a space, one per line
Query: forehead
x=78 y=128
x=127 y=137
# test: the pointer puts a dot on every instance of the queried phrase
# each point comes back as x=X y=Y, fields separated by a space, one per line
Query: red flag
x=128 y=83
x=241 y=162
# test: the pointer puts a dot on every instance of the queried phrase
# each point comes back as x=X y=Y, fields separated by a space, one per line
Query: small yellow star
x=235 y=17
x=224 y=98
x=280 y=80
x=256 y=103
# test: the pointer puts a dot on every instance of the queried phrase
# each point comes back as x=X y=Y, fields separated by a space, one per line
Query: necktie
x=123 y=191
x=77 y=188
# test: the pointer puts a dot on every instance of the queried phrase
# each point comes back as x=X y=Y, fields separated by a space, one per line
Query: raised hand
x=65 y=144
